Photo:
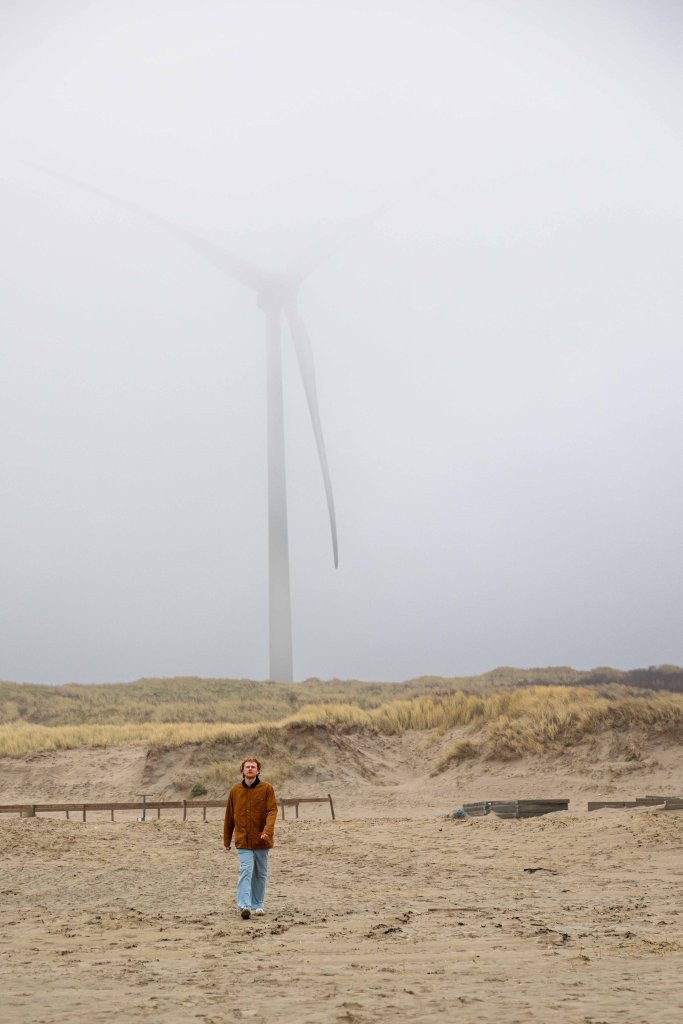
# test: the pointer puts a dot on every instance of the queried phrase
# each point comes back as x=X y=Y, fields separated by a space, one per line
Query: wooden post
x=83 y=812
x=112 y=813
x=67 y=815
x=329 y=797
x=158 y=811
x=282 y=806
x=204 y=815
x=184 y=810
x=296 y=809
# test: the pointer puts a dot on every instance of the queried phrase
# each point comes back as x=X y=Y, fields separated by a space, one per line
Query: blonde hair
x=254 y=759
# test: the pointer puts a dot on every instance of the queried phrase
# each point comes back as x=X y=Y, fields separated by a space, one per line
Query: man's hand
x=227 y=847
x=265 y=836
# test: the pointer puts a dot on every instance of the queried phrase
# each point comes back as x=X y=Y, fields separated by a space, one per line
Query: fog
x=498 y=355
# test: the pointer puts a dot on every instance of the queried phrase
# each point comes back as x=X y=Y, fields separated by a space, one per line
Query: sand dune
x=391 y=912
x=369 y=774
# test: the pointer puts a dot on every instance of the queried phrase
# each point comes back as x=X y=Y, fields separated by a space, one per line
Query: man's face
x=250 y=770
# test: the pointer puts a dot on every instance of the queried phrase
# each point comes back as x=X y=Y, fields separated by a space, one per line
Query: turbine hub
x=277 y=293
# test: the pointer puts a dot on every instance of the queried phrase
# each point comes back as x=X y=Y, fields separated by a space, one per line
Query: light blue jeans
x=251 y=884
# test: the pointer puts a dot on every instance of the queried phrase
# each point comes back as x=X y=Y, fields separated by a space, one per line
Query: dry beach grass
x=506 y=723
x=182 y=699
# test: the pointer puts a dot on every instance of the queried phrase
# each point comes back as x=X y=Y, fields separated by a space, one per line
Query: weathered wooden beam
x=527 y=808
x=478 y=809
x=303 y=799
x=596 y=805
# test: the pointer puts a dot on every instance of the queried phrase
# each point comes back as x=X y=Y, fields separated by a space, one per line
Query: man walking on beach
x=250 y=814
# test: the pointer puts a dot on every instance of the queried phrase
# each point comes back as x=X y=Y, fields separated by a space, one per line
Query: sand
x=390 y=913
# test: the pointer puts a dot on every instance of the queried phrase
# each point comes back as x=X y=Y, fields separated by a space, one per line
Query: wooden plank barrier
x=597 y=805
x=671 y=803
x=478 y=809
x=667 y=803
x=527 y=808
x=514 y=808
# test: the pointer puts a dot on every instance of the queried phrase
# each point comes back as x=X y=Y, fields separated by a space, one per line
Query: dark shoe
x=245 y=912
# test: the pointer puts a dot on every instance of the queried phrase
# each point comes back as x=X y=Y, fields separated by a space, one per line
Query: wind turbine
x=276 y=295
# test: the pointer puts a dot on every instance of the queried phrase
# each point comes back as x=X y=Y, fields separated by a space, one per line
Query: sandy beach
x=391 y=912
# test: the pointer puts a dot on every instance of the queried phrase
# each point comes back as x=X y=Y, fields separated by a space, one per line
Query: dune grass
x=185 y=700
x=502 y=725
x=548 y=720
x=22 y=738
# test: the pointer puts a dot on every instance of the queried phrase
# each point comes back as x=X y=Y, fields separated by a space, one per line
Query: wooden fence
x=146 y=806
x=668 y=803
x=532 y=808
x=296 y=800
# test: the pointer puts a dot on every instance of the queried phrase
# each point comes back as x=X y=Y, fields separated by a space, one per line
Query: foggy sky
x=499 y=357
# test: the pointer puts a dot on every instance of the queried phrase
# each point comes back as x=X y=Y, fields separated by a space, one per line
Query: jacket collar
x=253 y=785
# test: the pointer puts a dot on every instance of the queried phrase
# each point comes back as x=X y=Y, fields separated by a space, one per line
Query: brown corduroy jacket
x=250 y=811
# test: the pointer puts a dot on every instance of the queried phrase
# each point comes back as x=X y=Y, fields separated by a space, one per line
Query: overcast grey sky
x=499 y=357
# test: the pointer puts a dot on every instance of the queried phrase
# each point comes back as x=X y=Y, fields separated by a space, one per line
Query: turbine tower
x=276 y=295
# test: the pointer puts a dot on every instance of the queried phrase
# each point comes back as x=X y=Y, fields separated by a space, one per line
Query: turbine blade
x=322 y=250
x=249 y=274
x=312 y=257
x=304 y=353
